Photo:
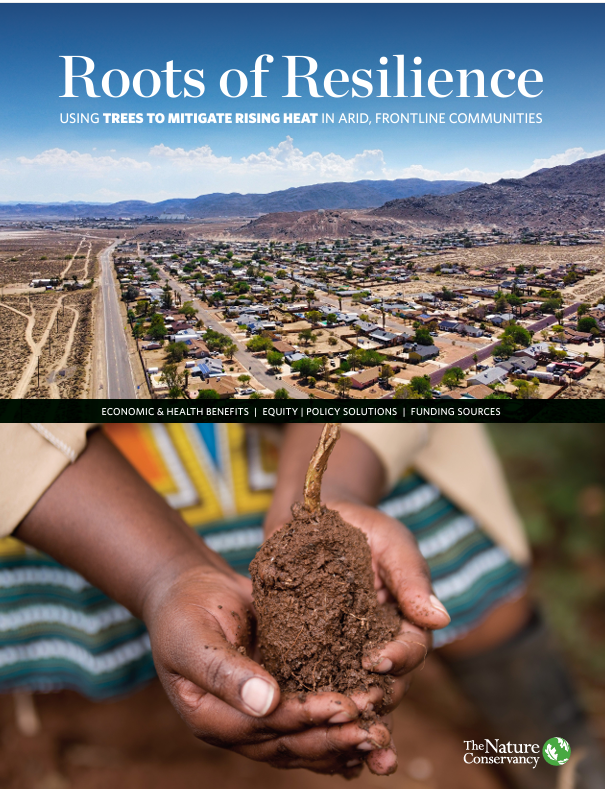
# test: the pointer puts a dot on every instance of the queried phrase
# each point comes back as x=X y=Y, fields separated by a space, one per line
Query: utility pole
x=38 y=371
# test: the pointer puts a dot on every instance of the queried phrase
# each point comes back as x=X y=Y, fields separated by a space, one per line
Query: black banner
x=302 y=411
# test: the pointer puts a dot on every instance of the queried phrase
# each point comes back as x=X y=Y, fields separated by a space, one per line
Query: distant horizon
x=44 y=160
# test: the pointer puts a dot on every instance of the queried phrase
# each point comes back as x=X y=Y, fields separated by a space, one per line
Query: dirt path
x=73 y=257
x=86 y=262
x=36 y=347
x=62 y=363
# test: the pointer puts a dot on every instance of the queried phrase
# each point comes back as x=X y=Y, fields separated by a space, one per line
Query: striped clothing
x=57 y=631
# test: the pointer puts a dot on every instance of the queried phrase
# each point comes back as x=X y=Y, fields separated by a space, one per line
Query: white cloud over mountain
x=163 y=171
x=59 y=159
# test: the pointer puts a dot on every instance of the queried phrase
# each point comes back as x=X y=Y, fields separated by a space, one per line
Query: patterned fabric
x=57 y=631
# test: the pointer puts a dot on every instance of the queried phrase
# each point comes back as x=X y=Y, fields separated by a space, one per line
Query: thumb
x=205 y=659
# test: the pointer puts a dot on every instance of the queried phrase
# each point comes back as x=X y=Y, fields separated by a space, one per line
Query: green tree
x=354 y=358
x=174 y=380
x=259 y=343
x=343 y=384
x=421 y=384
x=176 y=352
x=452 y=377
x=314 y=316
x=208 y=394
x=281 y=394
x=371 y=358
x=582 y=309
x=331 y=319
x=406 y=392
x=131 y=293
x=423 y=337
x=166 y=299
x=243 y=379
x=386 y=372
x=188 y=310
x=586 y=323
x=307 y=367
x=528 y=390
x=275 y=359
x=157 y=330
x=306 y=336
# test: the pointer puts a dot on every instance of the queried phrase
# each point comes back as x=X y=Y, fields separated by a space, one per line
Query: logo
x=556 y=751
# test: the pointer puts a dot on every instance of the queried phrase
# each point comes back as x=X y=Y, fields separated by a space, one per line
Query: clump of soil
x=318 y=613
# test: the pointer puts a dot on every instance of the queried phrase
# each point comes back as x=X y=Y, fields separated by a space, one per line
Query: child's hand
x=201 y=627
x=401 y=574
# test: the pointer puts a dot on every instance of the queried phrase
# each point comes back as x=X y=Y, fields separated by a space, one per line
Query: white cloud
x=569 y=156
x=58 y=158
x=188 y=160
x=164 y=172
x=284 y=158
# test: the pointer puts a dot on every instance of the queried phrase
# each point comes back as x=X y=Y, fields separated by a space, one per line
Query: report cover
x=333 y=201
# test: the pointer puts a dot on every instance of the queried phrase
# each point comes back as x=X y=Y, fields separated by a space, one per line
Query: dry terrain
x=46 y=338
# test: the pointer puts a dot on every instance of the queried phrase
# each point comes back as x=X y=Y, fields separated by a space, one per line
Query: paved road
x=120 y=385
x=485 y=352
x=254 y=366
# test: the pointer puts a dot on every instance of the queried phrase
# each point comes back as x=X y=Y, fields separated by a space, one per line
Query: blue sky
x=42 y=159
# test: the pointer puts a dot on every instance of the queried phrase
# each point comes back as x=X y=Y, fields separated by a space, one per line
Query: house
x=490 y=376
x=499 y=320
x=470 y=331
x=536 y=351
x=427 y=320
x=363 y=378
x=196 y=349
x=283 y=347
x=520 y=363
x=295 y=357
x=209 y=368
x=386 y=337
x=422 y=353
x=576 y=337
x=365 y=327
x=449 y=325
x=225 y=387
x=476 y=392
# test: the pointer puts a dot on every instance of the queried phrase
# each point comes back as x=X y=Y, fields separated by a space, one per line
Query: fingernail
x=341 y=717
x=353 y=763
x=257 y=694
x=366 y=746
x=383 y=667
x=437 y=604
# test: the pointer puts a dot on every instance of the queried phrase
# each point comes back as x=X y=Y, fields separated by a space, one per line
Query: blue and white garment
x=57 y=631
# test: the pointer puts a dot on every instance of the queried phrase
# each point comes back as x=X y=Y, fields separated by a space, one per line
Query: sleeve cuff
x=31 y=457
x=396 y=445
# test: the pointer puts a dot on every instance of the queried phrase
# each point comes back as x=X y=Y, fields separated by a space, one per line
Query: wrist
x=176 y=572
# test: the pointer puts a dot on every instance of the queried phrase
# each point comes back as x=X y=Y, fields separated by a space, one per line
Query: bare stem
x=317 y=466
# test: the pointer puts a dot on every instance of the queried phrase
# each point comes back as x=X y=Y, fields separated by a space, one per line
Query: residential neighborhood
x=457 y=316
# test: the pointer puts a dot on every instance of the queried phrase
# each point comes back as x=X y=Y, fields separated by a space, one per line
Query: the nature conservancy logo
x=556 y=752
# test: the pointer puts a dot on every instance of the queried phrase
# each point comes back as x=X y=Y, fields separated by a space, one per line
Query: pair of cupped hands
x=202 y=636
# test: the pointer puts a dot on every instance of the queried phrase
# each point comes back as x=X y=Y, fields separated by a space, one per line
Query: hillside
x=338 y=195
x=569 y=197
x=311 y=225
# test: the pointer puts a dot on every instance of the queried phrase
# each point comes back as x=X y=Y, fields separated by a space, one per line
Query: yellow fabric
x=31 y=458
x=458 y=458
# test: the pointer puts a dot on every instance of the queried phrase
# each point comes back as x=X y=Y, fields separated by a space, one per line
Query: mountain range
x=338 y=195
x=569 y=197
